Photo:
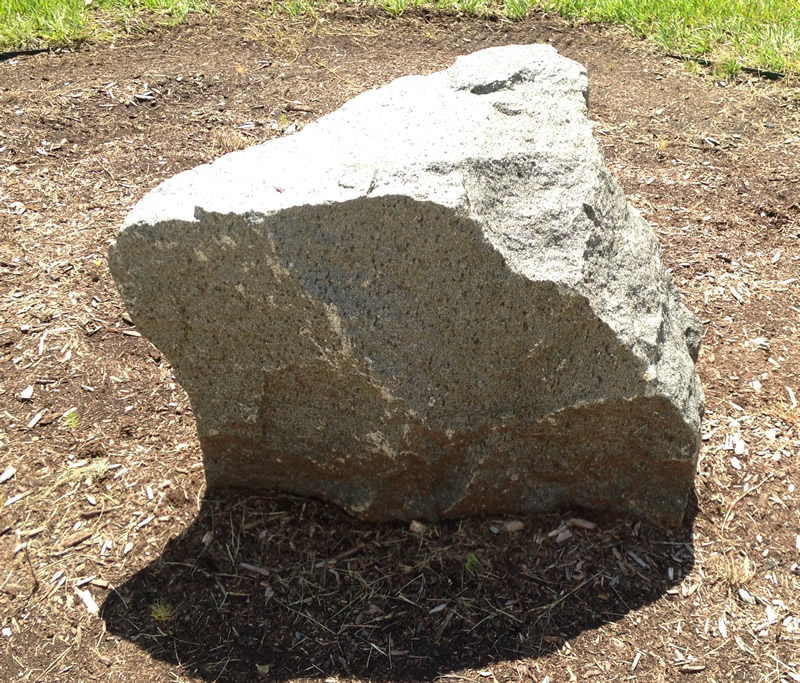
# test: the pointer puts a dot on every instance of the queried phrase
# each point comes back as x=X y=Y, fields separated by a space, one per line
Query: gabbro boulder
x=434 y=302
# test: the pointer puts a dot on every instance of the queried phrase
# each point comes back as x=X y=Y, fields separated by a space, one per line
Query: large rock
x=434 y=302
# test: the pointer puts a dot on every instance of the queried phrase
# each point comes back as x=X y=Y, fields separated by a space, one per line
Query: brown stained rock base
x=440 y=476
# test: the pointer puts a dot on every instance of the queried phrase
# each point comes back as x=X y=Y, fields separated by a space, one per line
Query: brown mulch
x=115 y=566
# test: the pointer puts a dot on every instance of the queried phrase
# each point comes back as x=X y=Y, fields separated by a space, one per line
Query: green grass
x=756 y=33
x=763 y=34
x=48 y=23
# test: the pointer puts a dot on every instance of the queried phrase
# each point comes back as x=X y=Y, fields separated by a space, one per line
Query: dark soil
x=99 y=464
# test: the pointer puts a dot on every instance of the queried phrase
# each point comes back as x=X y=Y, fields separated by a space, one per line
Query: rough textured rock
x=434 y=302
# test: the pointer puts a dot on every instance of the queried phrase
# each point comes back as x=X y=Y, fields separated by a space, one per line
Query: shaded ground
x=100 y=469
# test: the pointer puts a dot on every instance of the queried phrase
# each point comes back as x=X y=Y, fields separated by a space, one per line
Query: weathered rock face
x=434 y=302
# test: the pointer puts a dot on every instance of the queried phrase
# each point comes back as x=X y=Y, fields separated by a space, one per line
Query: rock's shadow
x=276 y=587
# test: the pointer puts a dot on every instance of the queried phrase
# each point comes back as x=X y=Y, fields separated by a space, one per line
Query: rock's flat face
x=434 y=302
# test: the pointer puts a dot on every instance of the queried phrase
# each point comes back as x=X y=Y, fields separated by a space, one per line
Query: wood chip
x=513 y=526
x=692 y=668
x=740 y=644
x=147 y=520
x=745 y=596
x=563 y=536
x=35 y=419
x=637 y=559
x=88 y=600
x=581 y=523
x=76 y=539
x=8 y=472
x=417 y=527
x=17 y=498
x=253 y=568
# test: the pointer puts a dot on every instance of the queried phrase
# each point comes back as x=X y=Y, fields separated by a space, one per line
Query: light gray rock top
x=371 y=143
x=397 y=140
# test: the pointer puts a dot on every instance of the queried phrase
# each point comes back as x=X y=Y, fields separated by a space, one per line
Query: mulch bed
x=115 y=564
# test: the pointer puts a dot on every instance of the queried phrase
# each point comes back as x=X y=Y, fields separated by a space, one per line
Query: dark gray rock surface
x=434 y=302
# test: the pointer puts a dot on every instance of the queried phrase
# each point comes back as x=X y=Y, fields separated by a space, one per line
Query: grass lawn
x=763 y=34
x=756 y=33
x=732 y=33
x=43 y=23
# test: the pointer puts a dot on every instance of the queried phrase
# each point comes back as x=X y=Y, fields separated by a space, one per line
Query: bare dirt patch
x=103 y=504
